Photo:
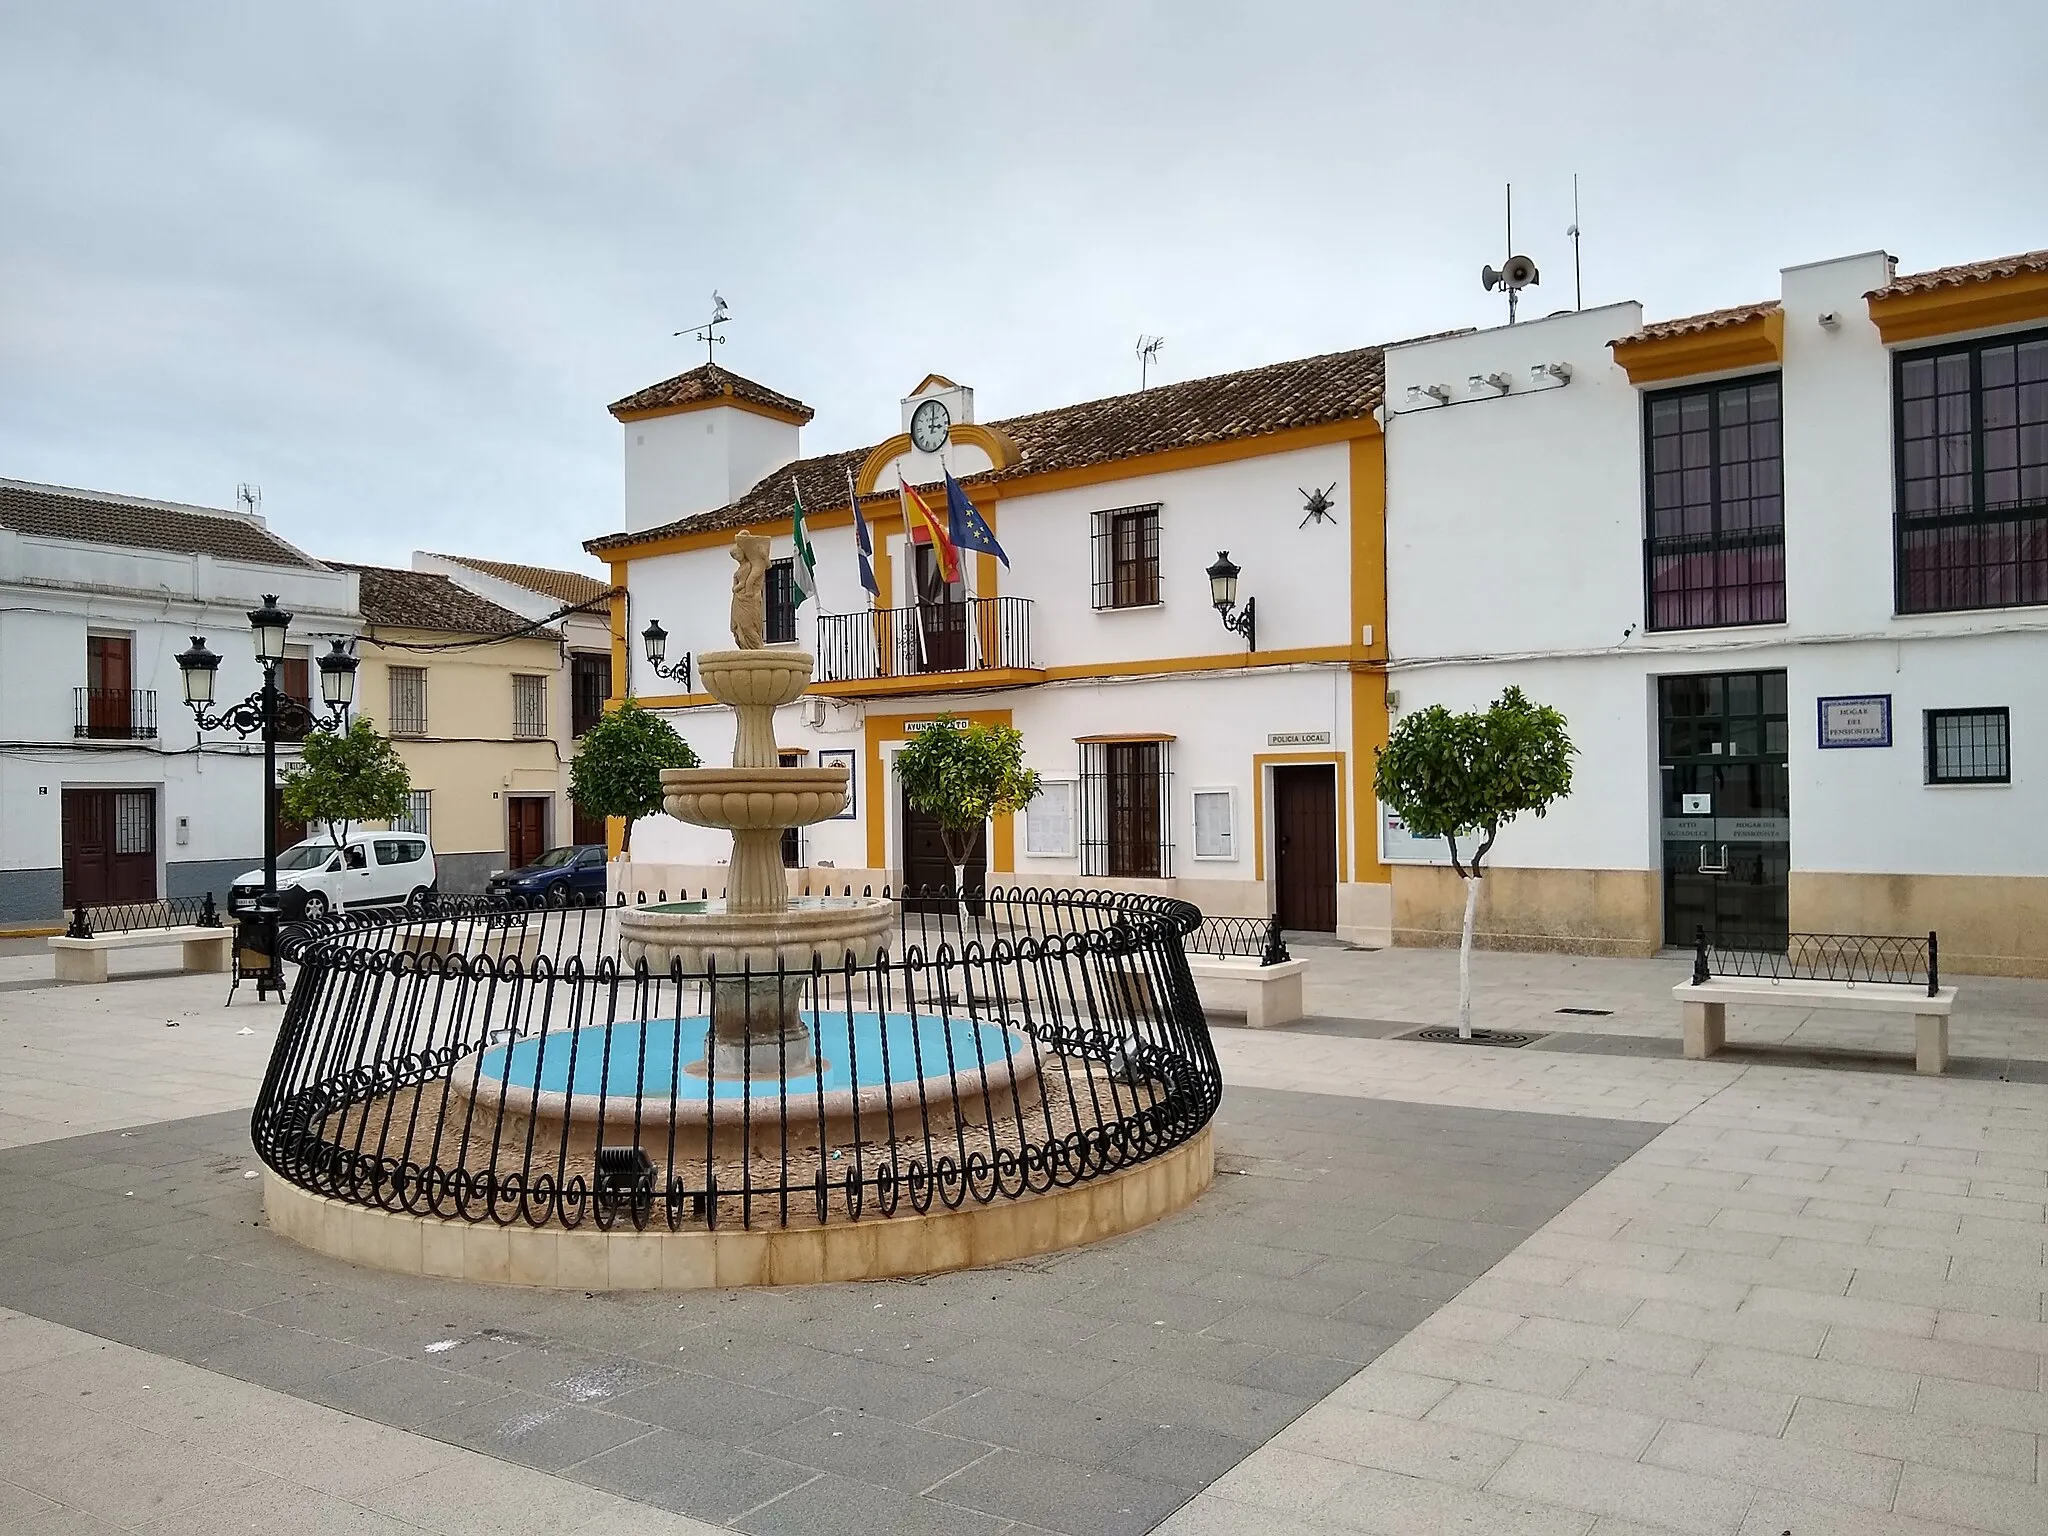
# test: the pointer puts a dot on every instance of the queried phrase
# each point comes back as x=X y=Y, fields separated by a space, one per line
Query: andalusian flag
x=918 y=515
x=803 y=566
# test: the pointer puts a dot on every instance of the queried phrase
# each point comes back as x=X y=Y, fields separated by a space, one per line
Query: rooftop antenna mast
x=1578 y=286
x=708 y=331
x=1148 y=354
x=249 y=497
x=1516 y=272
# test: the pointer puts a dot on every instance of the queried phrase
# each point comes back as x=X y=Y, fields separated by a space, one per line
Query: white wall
x=695 y=461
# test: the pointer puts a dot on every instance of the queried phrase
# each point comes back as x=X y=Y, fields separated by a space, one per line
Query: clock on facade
x=929 y=425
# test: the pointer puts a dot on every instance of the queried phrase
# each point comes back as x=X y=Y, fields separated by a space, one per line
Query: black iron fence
x=132 y=917
x=1856 y=958
x=1225 y=937
x=480 y=1060
x=113 y=714
x=978 y=634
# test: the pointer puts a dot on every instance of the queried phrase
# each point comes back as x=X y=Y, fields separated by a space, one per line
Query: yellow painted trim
x=928 y=381
x=1369 y=726
x=2010 y=300
x=35 y=931
x=1218 y=662
x=677 y=701
x=1755 y=343
x=913 y=683
x=1369 y=721
x=1133 y=736
x=1261 y=761
x=729 y=402
x=1002 y=832
x=1001 y=448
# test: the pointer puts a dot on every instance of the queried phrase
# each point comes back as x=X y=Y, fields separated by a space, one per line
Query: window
x=295 y=682
x=792 y=837
x=399 y=850
x=355 y=856
x=1714 y=552
x=418 y=813
x=135 y=821
x=1127 y=557
x=529 y=705
x=1124 y=795
x=1049 y=820
x=781 y=594
x=408 y=701
x=1972 y=516
x=1215 y=824
x=590 y=684
x=1969 y=746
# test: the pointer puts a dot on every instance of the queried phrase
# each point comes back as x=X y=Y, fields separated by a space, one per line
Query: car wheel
x=316 y=906
x=558 y=894
x=421 y=898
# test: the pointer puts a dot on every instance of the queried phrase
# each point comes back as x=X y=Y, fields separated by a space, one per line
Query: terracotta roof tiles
x=92 y=517
x=1969 y=272
x=563 y=586
x=400 y=599
x=1694 y=325
x=702 y=385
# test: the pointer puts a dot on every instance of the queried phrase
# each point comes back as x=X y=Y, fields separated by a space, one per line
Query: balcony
x=113 y=714
x=981 y=642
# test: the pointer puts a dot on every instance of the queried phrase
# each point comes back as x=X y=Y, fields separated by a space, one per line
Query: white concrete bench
x=1706 y=1009
x=1265 y=994
x=206 y=949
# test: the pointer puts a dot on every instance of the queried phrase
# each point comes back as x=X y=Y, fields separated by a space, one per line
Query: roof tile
x=1969 y=272
x=563 y=586
x=92 y=517
x=400 y=599
x=1695 y=325
x=705 y=383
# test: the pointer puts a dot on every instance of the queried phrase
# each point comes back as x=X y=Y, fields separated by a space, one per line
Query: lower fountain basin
x=824 y=931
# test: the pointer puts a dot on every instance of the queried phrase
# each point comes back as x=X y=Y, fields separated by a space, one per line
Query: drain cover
x=1446 y=1035
x=1589 y=1013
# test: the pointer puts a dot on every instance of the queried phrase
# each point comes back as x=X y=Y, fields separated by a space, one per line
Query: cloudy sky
x=391 y=261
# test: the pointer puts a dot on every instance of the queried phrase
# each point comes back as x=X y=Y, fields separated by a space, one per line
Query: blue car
x=559 y=875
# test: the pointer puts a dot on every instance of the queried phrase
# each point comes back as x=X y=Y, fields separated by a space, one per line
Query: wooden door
x=1132 y=773
x=1305 y=847
x=941 y=616
x=927 y=870
x=526 y=819
x=587 y=828
x=109 y=838
x=109 y=679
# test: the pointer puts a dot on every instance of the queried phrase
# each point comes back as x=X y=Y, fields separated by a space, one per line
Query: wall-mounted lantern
x=654 y=640
x=1223 y=593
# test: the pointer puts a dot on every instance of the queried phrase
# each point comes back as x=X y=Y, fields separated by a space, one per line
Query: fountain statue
x=762 y=947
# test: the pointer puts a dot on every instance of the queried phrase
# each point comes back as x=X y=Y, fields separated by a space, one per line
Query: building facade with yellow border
x=1175 y=756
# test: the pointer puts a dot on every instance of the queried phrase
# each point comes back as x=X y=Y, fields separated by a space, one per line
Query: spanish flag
x=926 y=526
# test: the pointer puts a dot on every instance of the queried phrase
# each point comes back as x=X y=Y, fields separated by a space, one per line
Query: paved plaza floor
x=1582 y=1287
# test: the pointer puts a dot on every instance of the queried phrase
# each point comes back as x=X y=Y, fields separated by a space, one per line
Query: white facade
x=204 y=798
x=1516 y=555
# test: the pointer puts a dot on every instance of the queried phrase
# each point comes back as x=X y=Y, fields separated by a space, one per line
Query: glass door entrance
x=1727 y=829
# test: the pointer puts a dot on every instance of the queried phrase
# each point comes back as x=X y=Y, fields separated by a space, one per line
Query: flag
x=918 y=514
x=863 y=541
x=966 y=526
x=803 y=565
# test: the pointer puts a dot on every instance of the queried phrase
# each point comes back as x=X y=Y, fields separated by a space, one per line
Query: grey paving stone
x=1048 y=1426
x=907 y=1394
x=534 y=1431
x=872 y=1450
x=402 y=1393
x=1062 y=1495
x=829 y=1505
x=706 y=1406
x=690 y=1475
x=1166 y=1397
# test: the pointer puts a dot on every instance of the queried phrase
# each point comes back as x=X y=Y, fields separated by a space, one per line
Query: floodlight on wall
x=1499 y=382
x=1538 y=372
x=1440 y=393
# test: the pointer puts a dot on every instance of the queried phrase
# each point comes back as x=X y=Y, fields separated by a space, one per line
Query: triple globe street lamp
x=269 y=711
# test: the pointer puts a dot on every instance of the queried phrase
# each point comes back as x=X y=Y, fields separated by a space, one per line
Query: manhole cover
x=1446 y=1035
x=1589 y=1013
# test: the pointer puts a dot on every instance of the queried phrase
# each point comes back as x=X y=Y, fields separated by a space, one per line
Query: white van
x=369 y=869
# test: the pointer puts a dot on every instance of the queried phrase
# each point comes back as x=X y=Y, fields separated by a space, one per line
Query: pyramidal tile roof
x=704 y=385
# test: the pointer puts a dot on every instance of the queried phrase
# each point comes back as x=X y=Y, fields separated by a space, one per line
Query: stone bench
x=1706 y=1009
x=206 y=949
x=1265 y=994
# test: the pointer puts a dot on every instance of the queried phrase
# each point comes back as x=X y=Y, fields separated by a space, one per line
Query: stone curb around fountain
x=874 y=1248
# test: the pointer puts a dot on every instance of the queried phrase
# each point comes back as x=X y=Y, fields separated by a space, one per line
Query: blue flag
x=965 y=526
x=863 y=541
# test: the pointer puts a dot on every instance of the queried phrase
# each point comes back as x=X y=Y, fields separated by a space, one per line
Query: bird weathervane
x=708 y=331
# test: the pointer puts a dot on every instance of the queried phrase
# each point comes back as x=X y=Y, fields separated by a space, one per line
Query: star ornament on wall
x=1318 y=504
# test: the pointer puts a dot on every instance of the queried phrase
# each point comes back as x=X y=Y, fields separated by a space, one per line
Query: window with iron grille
x=1969 y=746
x=1125 y=792
x=419 y=813
x=135 y=821
x=1127 y=557
x=1714 y=547
x=781 y=594
x=590 y=684
x=1972 y=513
x=408 y=701
x=529 y=705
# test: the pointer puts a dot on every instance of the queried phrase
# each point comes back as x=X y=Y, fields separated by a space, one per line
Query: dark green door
x=1726 y=813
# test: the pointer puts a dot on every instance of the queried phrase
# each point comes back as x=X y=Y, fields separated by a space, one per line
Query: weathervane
x=708 y=331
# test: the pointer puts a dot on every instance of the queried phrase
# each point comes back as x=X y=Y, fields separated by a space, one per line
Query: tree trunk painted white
x=960 y=887
x=1465 y=960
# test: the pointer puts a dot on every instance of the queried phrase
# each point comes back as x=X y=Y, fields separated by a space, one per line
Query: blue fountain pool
x=649 y=1056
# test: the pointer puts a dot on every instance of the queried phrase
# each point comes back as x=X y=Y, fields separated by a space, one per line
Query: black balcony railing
x=979 y=634
x=113 y=714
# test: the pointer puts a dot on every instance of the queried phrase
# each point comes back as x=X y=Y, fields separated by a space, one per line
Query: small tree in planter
x=1469 y=775
x=343 y=777
x=960 y=775
x=618 y=770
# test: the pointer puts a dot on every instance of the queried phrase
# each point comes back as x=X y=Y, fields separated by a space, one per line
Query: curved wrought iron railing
x=1036 y=1040
x=1857 y=959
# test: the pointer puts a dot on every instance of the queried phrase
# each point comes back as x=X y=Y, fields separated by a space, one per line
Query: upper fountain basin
x=753 y=798
x=755 y=677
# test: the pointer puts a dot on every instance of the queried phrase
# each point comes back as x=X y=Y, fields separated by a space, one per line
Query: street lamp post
x=268 y=710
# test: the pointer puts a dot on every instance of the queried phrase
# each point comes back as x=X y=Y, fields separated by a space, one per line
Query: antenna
x=1148 y=354
x=708 y=331
x=249 y=497
x=1578 y=286
x=1515 y=272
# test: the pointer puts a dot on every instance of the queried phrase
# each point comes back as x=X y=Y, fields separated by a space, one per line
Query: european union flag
x=964 y=525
